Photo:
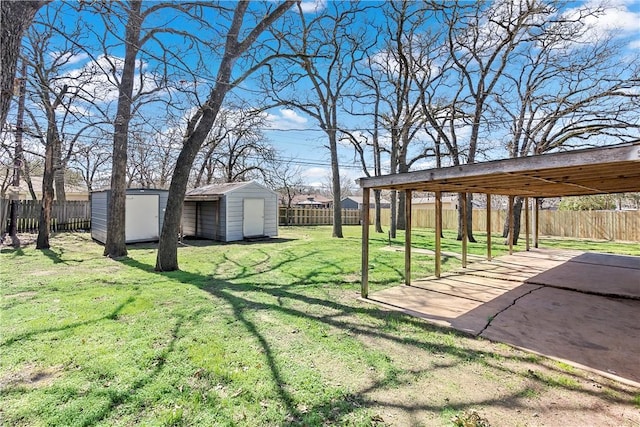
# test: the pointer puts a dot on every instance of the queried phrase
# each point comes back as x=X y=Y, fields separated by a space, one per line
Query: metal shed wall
x=100 y=209
x=200 y=219
x=233 y=207
x=222 y=219
x=99 y=212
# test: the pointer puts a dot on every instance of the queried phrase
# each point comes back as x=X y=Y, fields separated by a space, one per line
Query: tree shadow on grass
x=116 y=397
x=110 y=316
x=344 y=317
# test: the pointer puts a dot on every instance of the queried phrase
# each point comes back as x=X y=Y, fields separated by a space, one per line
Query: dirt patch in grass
x=25 y=239
x=435 y=385
x=31 y=376
x=43 y=273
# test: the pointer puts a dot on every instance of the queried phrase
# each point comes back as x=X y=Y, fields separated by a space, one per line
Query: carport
x=538 y=296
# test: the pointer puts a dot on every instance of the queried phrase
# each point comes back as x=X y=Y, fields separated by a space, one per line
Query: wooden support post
x=536 y=223
x=365 y=243
x=527 y=229
x=510 y=233
x=438 y=247
x=407 y=238
x=464 y=230
x=488 y=227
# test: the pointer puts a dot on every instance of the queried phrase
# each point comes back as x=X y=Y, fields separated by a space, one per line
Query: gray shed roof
x=216 y=191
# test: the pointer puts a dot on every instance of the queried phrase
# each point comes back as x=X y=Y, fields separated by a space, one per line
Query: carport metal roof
x=614 y=169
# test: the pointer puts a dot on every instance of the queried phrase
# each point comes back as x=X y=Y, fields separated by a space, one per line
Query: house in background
x=311 y=201
x=429 y=202
x=230 y=212
x=73 y=192
x=355 y=202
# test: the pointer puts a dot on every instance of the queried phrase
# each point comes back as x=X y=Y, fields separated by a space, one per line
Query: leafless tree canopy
x=135 y=93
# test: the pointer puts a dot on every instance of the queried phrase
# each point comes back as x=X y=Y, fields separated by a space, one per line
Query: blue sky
x=298 y=137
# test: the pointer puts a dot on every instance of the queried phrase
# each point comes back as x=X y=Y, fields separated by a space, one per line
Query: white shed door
x=253 y=219
x=141 y=217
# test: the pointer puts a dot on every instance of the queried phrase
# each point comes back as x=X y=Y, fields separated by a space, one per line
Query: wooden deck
x=583 y=308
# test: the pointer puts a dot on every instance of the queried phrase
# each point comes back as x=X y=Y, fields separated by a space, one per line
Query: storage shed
x=144 y=214
x=230 y=212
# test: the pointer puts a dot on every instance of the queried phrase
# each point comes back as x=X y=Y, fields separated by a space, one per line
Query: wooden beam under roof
x=613 y=169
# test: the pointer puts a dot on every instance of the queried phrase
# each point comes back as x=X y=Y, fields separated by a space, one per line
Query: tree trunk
x=47 y=199
x=336 y=187
x=16 y=17
x=394 y=214
x=116 y=246
x=378 y=220
x=401 y=216
x=517 y=216
x=167 y=258
x=27 y=178
x=58 y=176
x=470 y=237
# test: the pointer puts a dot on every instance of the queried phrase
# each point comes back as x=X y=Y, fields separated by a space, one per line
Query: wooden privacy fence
x=606 y=225
x=599 y=225
x=315 y=216
x=67 y=216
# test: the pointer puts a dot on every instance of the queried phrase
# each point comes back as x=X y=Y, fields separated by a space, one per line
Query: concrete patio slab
x=593 y=331
x=609 y=259
x=598 y=279
x=548 y=301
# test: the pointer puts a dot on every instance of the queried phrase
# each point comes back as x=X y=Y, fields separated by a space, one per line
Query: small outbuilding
x=144 y=214
x=230 y=212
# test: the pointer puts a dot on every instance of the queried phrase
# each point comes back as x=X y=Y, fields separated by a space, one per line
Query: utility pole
x=17 y=159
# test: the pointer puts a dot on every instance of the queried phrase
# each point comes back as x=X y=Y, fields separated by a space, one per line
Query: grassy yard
x=264 y=333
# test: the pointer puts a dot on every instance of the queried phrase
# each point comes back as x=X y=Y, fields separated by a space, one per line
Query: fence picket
x=315 y=216
x=599 y=225
x=69 y=216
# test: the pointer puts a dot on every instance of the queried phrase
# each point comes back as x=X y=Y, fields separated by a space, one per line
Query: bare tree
x=566 y=93
x=236 y=149
x=406 y=27
x=238 y=41
x=152 y=156
x=286 y=178
x=482 y=41
x=90 y=159
x=15 y=17
x=56 y=119
x=134 y=91
x=393 y=83
x=324 y=54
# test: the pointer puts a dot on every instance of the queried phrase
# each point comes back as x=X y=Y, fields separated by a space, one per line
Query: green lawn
x=264 y=333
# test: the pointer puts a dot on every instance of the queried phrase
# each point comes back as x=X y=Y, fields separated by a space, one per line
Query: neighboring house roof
x=372 y=200
x=310 y=200
x=215 y=191
x=72 y=191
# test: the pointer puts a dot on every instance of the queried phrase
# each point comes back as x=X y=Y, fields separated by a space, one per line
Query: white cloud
x=635 y=44
x=313 y=6
x=315 y=173
x=616 y=19
x=98 y=78
x=67 y=58
x=286 y=119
